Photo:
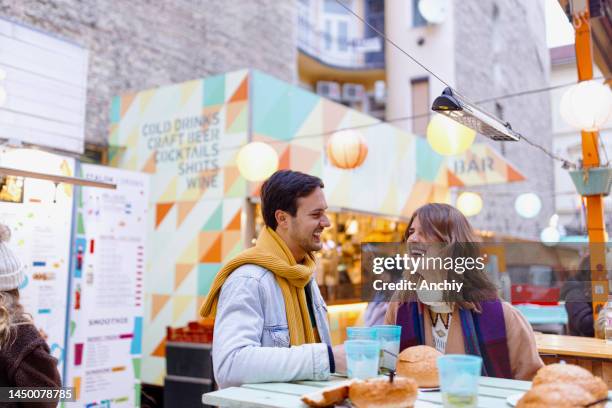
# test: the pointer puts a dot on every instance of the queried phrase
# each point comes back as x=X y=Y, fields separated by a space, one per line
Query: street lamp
x=587 y=105
x=454 y=106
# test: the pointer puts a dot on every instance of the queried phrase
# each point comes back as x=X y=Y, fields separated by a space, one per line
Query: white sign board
x=45 y=81
x=40 y=219
x=104 y=346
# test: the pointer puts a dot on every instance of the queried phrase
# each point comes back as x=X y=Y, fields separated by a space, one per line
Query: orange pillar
x=590 y=155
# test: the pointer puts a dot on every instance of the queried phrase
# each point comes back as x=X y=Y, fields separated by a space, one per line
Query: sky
x=559 y=30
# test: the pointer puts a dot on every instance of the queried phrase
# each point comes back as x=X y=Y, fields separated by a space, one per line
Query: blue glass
x=389 y=337
x=459 y=375
x=361 y=333
x=362 y=358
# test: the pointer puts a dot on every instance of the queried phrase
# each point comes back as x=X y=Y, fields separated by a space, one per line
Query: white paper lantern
x=257 y=161
x=587 y=105
x=528 y=205
x=347 y=149
x=447 y=137
x=469 y=203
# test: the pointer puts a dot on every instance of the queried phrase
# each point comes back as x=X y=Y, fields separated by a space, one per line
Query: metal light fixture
x=454 y=106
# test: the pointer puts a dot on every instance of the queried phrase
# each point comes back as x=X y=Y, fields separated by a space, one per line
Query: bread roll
x=572 y=374
x=328 y=396
x=558 y=395
x=381 y=393
x=419 y=362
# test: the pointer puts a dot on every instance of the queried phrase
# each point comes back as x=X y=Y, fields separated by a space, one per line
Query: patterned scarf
x=484 y=334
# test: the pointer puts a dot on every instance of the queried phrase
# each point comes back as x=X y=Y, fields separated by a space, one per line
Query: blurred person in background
x=25 y=359
x=576 y=292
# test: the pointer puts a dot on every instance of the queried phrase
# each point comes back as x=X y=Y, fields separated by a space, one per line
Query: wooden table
x=593 y=354
x=492 y=393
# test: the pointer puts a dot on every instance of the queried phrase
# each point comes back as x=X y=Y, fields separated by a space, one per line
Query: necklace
x=443 y=317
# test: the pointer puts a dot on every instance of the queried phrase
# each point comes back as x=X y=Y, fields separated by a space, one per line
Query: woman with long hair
x=472 y=320
x=25 y=359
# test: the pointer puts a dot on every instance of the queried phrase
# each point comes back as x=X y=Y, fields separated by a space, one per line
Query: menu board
x=106 y=308
x=39 y=214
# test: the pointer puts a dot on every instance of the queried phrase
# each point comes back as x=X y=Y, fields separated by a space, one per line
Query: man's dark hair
x=281 y=192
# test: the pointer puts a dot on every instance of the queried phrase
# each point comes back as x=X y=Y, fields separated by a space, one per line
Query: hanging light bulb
x=469 y=203
x=257 y=161
x=587 y=105
x=528 y=205
x=448 y=137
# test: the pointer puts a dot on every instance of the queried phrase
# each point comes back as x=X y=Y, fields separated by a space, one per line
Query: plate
x=432 y=389
x=513 y=399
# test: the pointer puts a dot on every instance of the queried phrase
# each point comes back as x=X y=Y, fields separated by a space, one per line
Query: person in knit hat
x=25 y=359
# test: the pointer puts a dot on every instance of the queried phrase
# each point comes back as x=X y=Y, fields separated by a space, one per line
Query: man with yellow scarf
x=270 y=319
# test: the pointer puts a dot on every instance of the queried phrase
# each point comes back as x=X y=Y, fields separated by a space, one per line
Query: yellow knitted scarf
x=272 y=253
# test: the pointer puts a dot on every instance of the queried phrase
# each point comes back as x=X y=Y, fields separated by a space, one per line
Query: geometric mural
x=187 y=136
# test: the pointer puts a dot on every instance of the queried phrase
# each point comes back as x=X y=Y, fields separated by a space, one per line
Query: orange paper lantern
x=347 y=149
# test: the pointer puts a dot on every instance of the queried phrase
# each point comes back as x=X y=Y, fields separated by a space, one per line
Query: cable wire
x=392 y=43
x=566 y=163
x=605 y=151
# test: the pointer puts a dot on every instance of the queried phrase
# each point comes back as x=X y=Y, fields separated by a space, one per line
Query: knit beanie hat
x=11 y=269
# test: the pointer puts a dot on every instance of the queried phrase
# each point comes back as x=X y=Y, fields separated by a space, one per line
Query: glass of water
x=459 y=375
x=389 y=337
x=362 y=358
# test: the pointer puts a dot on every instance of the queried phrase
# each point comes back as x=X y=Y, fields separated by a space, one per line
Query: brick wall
x=139 y=44
x=501 y=49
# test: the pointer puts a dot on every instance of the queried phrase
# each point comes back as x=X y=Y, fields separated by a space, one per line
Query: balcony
x=342 y=53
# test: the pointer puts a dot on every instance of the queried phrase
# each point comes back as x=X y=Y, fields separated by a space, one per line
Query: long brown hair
x=444 y=223
x=11 y=315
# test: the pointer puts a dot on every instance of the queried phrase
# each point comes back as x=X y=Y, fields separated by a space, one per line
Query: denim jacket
x=251 y=336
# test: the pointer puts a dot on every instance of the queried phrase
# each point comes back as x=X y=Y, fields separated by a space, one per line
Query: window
x=331 y=6
x=342 y=36
x=420 y=105
x=328 y=34
x=376 y=6
x=417 y=18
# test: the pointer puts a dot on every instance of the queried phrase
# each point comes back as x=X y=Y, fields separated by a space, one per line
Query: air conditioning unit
x=329 y=89
x=353 y=92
